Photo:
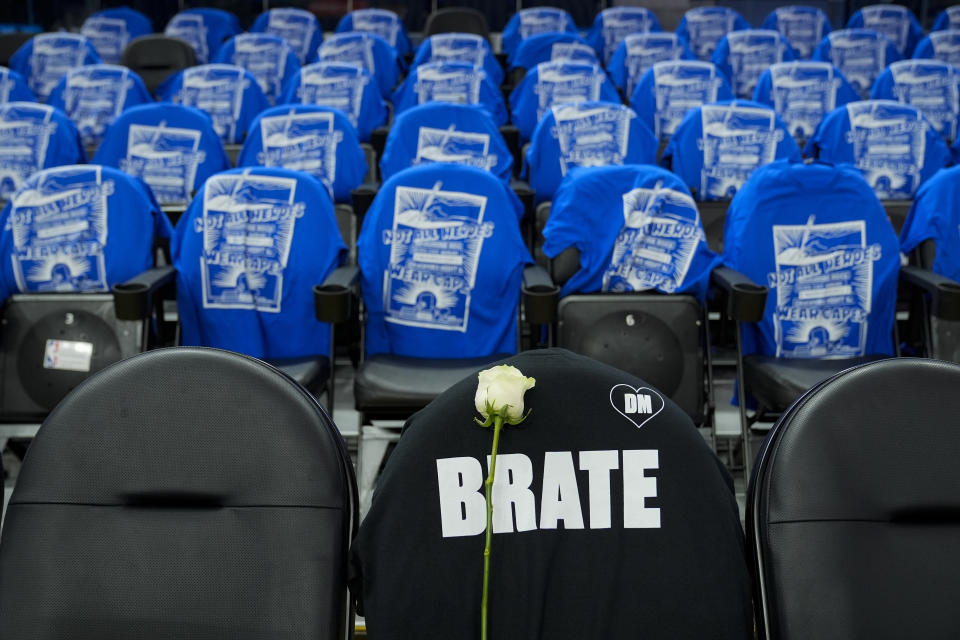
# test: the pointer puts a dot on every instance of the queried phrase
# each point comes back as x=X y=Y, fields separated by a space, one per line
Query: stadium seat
x=369 y=51
x=896 y=22
x=704 y=27
x=744 y=55
x=155 y=58
x=300 y=28
x=110 y=30
x=931 y=86
x=941 y=45
x=803 y=27
x=549 y=47
x=381 y=22
x=13 y=87
x=269 y=58
x=860 y=54
x=456 y=82
x=949 y=18
x=204 y=476
x=203 y=29
x=532 y=21
x=614 y=24
x=44 y=59
x=638 y=52
x=456 y=20
x=460 y=47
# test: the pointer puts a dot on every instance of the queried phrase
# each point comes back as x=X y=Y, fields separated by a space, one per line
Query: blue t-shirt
x=896 y=22
x=248 y=252
x=935 y=215
x=311 y=138
x=171 y=147
x=585 y=134
x=893 y=144
x=803 y=27
x=269 y=58
x=229 y=94
x=381 y=22
x=703 y=28
x=941 y=45
x=13 y=87
x=530 y=22
x=455 y=82
x=77 y=228
x=441 y=259
x=445 y=132
x=639 y=52
x=298 y=27
x=820 y=240
x=204 y=29
x=803 y=93
x=347 y=87
x=551 y=83
x=369 y=51
x=46 y=57
x=860 y=54
x=546 y=47
x=636 y=228
x=718 y=146
x=461 y=47
x=612 y=25
x=744 y=55
x=110 y=30
x=93 y=96
x=949 y=18
x=33 y=137
x=930 y=85
x=668 y=90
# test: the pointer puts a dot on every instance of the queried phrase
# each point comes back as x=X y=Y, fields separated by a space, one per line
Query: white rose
x=502 y=387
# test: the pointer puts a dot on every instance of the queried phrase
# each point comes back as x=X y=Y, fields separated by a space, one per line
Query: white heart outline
x=636 y=390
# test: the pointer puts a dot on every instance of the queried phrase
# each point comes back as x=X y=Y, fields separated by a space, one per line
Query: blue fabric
x=369 y=51
x=298 y=27
x=612 y=25
x=893 y=144
x=445 y=132
x=530 y=22
x=860 y=54
x=818 y=237
x=13 y=87
x=930 y=85
x=229 y=94
x=896 y=22
x=93 y=96
x=453 y=82
x=803 y=27
x=347 y=87
x=703 y=28
x=441 y=261
x=935 y=215
x=639 y=52
x=744 y=55
x=941 y=45
x=636 y=228
x=33 y=137
x=204 y=29
x=248 y=252
x=171 y=147
x=269 y=58
x=545 y=47
x=44 y=59
x=318 y=140
x=461 y=47
x=381 y=22
x=803 y=92
x=77 y=228
x=585 y=134
x=949 y=18
x=668 y=90
x=110 y=30
x=718 y=146
x=551 y=83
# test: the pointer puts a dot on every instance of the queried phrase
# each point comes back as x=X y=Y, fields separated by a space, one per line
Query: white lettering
x=511 y=491
x=561 y=497
x=463 y=509
x=637 y=487
x=598 y=465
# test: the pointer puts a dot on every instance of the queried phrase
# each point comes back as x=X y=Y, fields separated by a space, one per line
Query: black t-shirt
x=622 y=522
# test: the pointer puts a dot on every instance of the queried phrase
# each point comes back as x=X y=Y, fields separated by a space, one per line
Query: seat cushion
x=311 y=372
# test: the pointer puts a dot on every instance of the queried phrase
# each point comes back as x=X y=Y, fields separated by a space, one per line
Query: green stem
x=488 y=487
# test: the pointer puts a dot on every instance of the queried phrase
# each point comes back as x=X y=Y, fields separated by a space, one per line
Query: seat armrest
x=511 y=135
x=525 y=193
x=333 y=300
x=944 y=293
x=362 y=197
x=378 y=140
x=540 y=295
x=746 y=300
x=132 y=300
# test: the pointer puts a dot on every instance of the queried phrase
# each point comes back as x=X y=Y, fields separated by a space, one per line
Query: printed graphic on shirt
x=301 y=141
x=296 y=26
x=353 y=49
x=752 y=53
x=706 y=29
x=53 y=55
x=573 y=51
x=190 y=28
x=823 y=281
x=946 y=46
x=591 y=136
x=338 y=88
x=25 y=132
x=59 y=232
x=437 y=82
x=860 y=59
x=248 y=226
x=458 y=47
x=7 y=85
x=556 y=84
x=931 y=88
x=93 y=97
x=803 y=93
x=264 y=58
x=890 y=20
x=217 y=90
x=646 y=49
x=619 y=22
x=679 y=87
x=736 y=140
x=659 y=238
x=802 y=29
x=435 y=247
x=450 y=145
x=888 y=147
x=639 y=405
x=543 y=20
x=166 y=158
x=378 y=22
x=108 y=36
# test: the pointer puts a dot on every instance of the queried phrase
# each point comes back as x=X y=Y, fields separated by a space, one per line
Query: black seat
x=156 y=57
x=456 y=20
x=852 y=517
x=184 y=492
x=10 y=42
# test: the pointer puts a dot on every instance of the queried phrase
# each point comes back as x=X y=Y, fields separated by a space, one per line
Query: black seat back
x=10 y=42
x=156 y=57
x=189 y=493
x=456 y=20
x=854 y=509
